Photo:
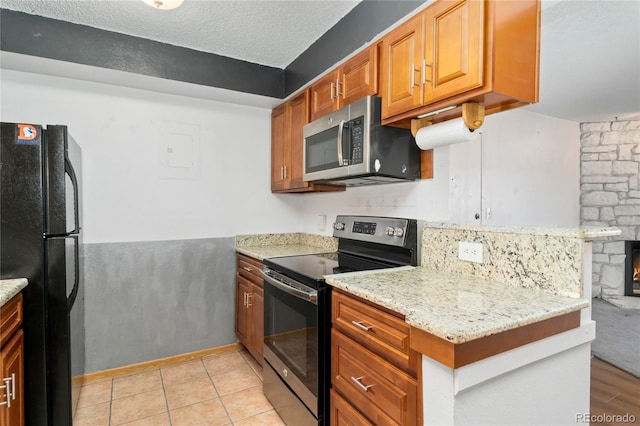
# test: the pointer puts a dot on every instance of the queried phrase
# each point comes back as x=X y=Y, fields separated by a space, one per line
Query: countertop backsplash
x=548 y=259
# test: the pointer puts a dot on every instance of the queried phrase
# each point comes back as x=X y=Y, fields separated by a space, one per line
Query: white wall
x=125 y=198
x=525 y=167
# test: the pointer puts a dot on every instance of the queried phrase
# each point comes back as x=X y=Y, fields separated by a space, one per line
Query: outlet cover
x=470 y=251
x=322 y=222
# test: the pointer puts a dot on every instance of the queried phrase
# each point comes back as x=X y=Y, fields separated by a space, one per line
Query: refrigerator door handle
x=68 y=168
x=76 y=280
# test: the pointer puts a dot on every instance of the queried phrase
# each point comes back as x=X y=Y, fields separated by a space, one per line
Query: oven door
x=326 y=146
x=291 y=336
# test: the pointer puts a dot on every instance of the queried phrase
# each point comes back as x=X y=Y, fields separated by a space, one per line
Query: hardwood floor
x=615 y=395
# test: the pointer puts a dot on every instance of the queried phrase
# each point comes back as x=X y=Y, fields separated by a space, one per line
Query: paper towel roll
x=445 y=133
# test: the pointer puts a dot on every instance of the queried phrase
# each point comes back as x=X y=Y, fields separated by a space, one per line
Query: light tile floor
x=224 y=389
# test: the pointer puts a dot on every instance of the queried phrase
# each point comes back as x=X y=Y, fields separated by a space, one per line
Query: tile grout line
x=164 y=392
x=110 y=400
x=216 y=389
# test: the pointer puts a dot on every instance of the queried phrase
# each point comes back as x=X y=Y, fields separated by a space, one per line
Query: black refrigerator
x=41 y=240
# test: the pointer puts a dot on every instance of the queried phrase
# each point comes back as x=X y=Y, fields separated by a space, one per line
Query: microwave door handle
x=340 y=131
x=346 y=143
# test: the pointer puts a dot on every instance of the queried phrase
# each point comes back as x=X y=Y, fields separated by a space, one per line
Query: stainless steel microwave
x=351 y=147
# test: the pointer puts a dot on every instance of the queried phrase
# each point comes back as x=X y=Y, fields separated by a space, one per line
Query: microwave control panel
x=357 y=140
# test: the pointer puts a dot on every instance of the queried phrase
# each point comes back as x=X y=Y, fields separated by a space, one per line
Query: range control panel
x=382 y=230
x=368 y=228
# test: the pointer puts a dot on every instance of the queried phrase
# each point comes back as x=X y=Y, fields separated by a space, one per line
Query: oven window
x=321 y=151
x=291 y=332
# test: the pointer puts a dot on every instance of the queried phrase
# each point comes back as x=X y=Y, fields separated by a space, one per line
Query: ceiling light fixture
x=164 y=4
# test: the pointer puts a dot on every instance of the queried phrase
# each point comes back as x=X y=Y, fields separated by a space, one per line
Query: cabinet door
x=324 y=99
x=12 y=367
x=279 y=147
x=298 y=117
x=257 y=329
x=358 y=77
x=402 y=55
x=453 y=48
x=242 y=316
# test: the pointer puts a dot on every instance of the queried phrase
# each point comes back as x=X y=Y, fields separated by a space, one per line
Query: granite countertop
x=262 y=246
x=457 y=308
x=263 y=252
x=9 y=288
x=585 y=233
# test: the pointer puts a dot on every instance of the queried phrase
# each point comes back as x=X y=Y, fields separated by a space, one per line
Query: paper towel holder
x=472 y=115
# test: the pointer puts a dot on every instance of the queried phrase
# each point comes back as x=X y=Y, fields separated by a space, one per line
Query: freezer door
x=62 y=182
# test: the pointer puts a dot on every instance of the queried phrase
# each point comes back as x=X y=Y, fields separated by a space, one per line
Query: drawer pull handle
x=359 y=383
x=10 y=386
x=246 y=268
x=362 y=326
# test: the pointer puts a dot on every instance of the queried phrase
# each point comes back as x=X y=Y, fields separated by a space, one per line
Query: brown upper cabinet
x=461 y=51
x=353 y=80
x=287 y=122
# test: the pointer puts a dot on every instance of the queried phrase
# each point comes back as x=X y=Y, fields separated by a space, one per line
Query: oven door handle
x=308 y=296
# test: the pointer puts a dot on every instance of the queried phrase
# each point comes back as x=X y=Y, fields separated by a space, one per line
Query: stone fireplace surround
x=610 y=196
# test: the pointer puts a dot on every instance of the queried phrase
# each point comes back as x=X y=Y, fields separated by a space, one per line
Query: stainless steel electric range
x=297 y=310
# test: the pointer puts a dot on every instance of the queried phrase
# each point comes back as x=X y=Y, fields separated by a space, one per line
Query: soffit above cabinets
x=265 y=32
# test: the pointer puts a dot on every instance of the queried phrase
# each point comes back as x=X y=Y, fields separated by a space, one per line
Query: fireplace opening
x=632 y=269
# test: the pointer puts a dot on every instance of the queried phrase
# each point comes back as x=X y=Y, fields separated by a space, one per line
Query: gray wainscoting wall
x=150 y=300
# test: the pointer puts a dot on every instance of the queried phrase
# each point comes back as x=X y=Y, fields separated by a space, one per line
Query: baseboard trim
x=157 y=363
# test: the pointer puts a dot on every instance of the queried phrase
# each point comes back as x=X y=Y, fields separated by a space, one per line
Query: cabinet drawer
x=379 y=331
x=343 y=413
x=378 y=389
x=250 y=269
x=10 y=317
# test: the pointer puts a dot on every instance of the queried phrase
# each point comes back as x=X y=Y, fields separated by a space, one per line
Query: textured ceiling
x=265 y=32
x=589 y=54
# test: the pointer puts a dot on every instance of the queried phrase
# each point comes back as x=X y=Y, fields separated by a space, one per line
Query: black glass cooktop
x=311 y=268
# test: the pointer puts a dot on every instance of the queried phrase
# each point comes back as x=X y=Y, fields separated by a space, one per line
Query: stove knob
x=398 y=232
x=338 y=226
x=389 y=231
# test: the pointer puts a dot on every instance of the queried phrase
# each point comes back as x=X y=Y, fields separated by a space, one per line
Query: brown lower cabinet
x=343 y=413
x=372 y=382
x=250 y=305
x=11 y=363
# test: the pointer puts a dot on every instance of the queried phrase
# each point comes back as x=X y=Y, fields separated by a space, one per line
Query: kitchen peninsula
x=505 y=341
